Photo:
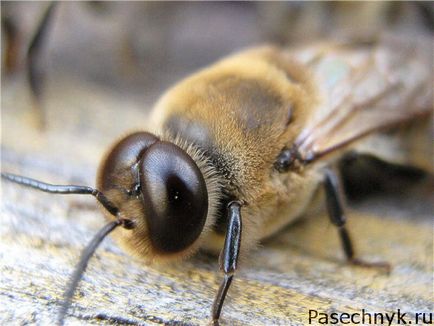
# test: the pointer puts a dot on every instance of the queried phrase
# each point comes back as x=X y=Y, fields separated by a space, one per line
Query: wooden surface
x=41 y=237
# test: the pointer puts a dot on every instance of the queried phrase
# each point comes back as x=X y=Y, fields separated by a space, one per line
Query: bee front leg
x=229 y=256
x=338 y=218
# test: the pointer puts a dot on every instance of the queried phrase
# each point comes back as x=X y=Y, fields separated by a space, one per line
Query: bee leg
x=229 y=256
x=338 y=218
x=35 y=66
x=13 y=40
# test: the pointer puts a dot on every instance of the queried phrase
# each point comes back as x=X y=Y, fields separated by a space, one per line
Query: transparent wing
x=365 y=89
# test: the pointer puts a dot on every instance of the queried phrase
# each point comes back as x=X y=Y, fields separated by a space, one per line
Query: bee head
x=161 y=188
x=159 y=196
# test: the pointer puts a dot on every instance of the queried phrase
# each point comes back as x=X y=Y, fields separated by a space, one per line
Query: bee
x=237 y=151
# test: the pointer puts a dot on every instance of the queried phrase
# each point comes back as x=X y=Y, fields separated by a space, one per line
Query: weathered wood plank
x=300 y=269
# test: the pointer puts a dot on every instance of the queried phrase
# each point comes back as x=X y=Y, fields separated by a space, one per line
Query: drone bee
x=238 y=149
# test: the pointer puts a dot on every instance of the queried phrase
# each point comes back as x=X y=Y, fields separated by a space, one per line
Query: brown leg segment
x=338 y=218
x=35 y=67
x=229 y=256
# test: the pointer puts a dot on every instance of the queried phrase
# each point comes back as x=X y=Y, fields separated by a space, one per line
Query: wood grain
x=300 y=269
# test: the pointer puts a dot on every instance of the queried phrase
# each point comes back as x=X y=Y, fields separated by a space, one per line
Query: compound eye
x=123 y=155
x=175 y=197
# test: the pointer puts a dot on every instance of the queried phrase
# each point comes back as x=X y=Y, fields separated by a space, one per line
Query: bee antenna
x=82 y=264
x=63 y=190
x=97 y=239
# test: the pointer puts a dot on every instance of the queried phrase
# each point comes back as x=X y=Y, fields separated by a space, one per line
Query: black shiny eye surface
x=123 y=155
x=175 y=197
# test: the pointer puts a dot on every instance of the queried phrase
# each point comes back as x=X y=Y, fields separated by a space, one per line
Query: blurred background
x=96 y=70
x=142 y=46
